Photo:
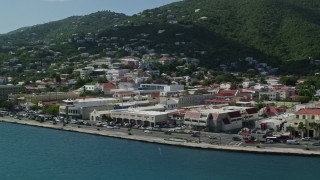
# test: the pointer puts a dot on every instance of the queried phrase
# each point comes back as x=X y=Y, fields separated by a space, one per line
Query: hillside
x=64 y=28
x=287 y=29
x=215 y=31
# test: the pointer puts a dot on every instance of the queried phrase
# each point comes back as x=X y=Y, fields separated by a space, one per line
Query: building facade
x=162 y=87
x=143 y=118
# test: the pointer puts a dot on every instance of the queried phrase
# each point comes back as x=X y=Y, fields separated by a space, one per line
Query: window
x=303 y=116
x=297 y=116
x=312 y=117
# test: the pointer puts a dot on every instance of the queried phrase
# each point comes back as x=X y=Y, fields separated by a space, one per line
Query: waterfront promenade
x=167 y=141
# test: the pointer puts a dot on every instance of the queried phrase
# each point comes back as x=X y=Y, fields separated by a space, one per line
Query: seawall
x=114 y=134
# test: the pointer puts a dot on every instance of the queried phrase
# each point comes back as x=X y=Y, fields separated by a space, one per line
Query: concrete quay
x=115 y=134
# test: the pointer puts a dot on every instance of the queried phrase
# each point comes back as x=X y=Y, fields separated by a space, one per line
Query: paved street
x=222 y=139
x=205 y=137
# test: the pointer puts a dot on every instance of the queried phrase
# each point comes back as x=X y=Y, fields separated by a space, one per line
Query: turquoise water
x=37 y=153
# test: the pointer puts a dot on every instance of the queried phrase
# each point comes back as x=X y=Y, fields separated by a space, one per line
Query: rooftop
x=309 y=111
x=139 y=112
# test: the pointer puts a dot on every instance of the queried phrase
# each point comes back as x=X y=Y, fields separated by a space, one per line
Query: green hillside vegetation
x=62 y=29
x=283 y=33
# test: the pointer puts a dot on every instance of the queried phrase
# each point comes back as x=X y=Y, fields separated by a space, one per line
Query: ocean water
x=45 y=154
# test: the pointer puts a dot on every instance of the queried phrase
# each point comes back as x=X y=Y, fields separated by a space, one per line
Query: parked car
x=136 y=126
x=147 y=131
x=268 y=141
x=317 y=138
x=236 y=138
x=306 y=139
x=249 y=141
x=295 y=142
x=168 y=132
x=316 y=144
x=149 y=128
x=195 y=134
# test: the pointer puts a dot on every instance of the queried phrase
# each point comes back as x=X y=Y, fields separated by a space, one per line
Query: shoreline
x=121 y=135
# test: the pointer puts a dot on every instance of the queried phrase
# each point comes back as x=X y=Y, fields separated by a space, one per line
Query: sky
x=15 y=14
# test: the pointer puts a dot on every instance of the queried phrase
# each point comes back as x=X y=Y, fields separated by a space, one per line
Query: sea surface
x=32 y=153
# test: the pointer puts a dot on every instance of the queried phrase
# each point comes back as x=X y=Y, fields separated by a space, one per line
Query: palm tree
x=290 y=129
x=107 y=118
x=301 y=127
x=315 y=126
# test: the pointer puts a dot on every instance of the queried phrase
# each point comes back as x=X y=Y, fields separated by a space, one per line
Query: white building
x=192 y=100
x=162 y=87
x=221 y=119
x=93 y=88
x=82 y=110
x=247 y=84
x=144 y=118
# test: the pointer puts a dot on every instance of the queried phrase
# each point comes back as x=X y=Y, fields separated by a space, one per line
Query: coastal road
x=209 y=138
x=205 y=137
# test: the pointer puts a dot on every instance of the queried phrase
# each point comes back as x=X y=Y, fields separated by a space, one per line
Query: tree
x=301 y=127
x=290 y=129
x=315 y=126
x=35 y=107
x=7 y=105
x=205 y=82
x=104 y=66
x=79 y=83
x=233 y=85
x=52 y=109
x=264 y=97
x=102 y=80
x=63 y=89
x=258 y=106
x=288 y=80
x=262 y=80
x=225 y=78
x=106 y=118
x=201 y=91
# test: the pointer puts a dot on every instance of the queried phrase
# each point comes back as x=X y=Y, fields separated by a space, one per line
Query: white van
x=296 y=142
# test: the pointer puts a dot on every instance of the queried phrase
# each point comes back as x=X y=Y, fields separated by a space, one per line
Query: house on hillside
x=107 y=88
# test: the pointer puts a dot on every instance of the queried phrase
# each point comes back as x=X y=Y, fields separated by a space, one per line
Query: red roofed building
x=107 y=87
x=310 y=119
x=177 y=116
x=308 y=112
x=214 y=85
x=222 y=119
x=295 y=97
x=246 y=95
x=270 y=111
x=227 y=93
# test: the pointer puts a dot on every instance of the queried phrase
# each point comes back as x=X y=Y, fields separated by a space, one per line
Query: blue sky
x=20 y=13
